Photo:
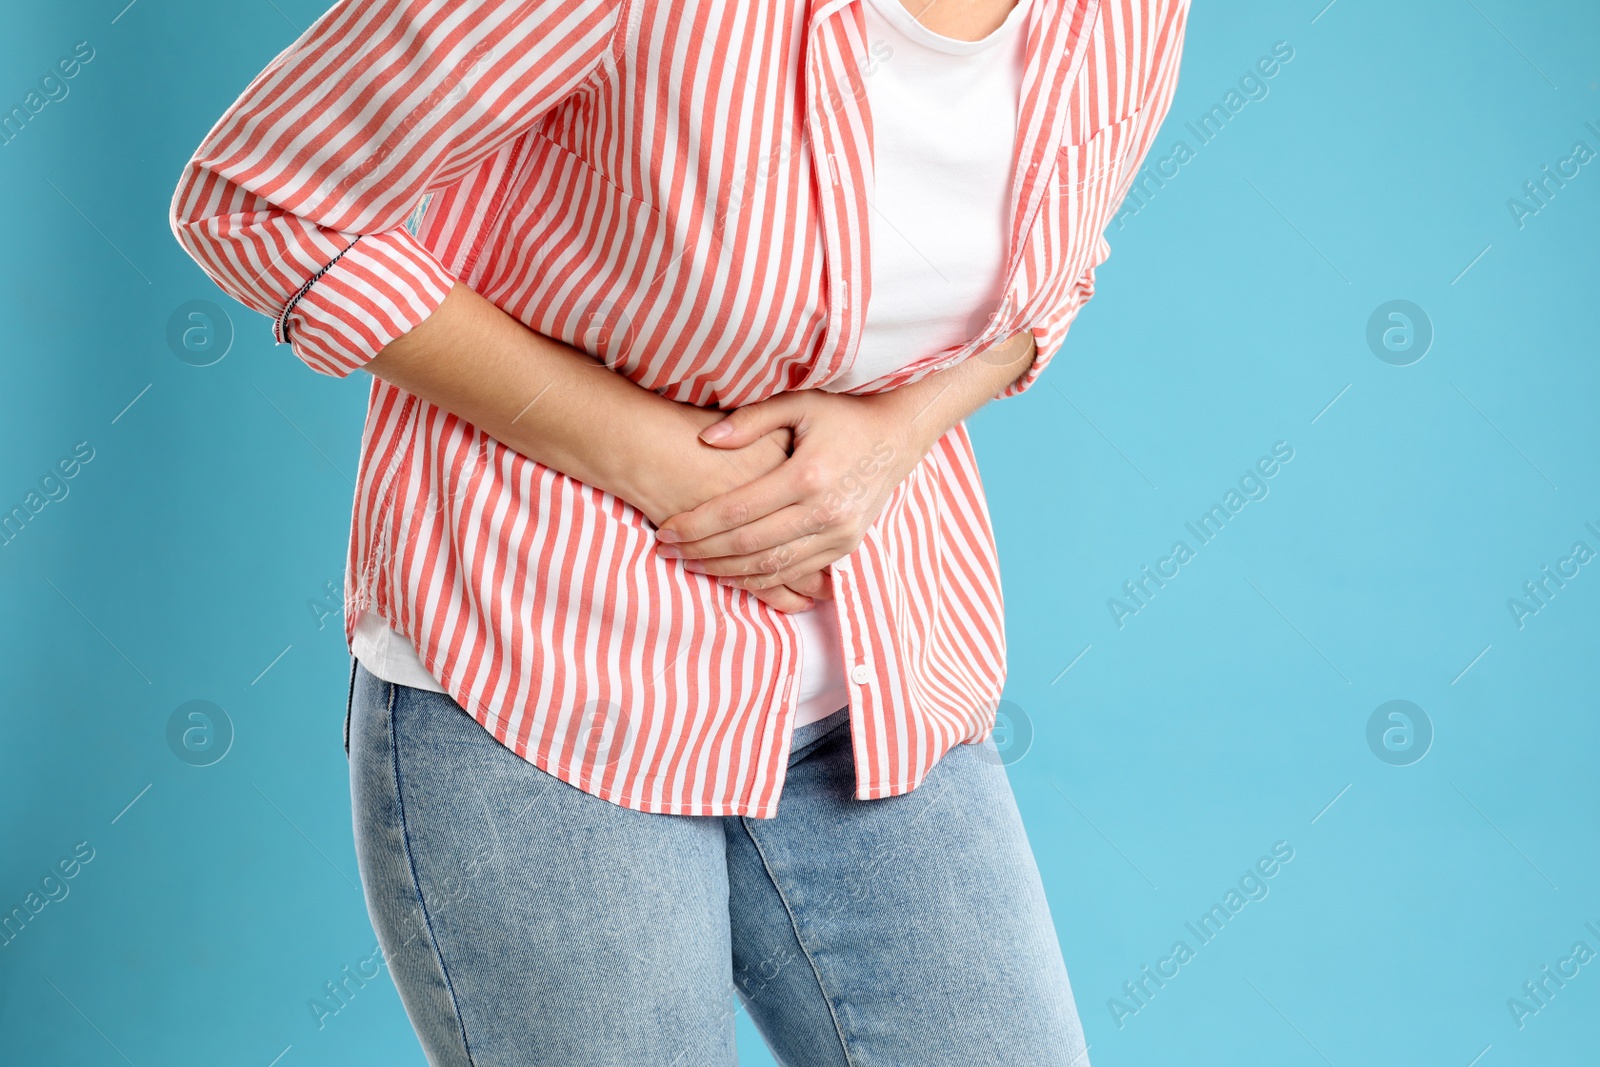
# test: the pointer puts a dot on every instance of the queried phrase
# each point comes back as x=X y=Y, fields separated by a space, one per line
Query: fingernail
x=666 y=536
x=669 y=551
x=716 y=431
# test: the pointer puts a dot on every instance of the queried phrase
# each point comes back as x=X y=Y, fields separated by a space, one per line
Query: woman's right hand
x=692 y=472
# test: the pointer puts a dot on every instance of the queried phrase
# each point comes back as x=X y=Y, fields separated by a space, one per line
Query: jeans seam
x=416 y=883
x=827 y=998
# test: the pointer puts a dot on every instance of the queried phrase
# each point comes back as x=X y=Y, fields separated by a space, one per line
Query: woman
x=673 y=314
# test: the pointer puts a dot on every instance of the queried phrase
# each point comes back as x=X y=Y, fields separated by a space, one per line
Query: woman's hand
x=848 y=455
x=694 y=472
x=787 y=526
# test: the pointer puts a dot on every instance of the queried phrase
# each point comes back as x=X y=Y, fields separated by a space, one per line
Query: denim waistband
x=805 y=737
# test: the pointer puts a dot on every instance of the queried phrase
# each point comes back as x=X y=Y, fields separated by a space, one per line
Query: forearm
x=801 y=518
x=547 y=400
x=930 y=406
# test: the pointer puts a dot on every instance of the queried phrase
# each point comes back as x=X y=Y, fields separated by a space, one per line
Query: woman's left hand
x=787 y=526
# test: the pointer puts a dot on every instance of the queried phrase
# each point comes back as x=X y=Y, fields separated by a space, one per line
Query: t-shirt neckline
x=895 y=13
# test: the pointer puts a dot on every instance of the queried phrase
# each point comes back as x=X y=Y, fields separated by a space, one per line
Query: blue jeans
x=526 y=922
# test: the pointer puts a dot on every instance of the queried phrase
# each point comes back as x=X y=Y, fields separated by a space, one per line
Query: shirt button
x=861 y=674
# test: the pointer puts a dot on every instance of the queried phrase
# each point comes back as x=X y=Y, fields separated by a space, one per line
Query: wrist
x=930 y=407
x=645 y=461
x=910 y=410
x=665 y=469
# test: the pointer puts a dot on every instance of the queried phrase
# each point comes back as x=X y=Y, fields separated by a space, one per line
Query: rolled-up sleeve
x=1164 y=45
x=295 y=202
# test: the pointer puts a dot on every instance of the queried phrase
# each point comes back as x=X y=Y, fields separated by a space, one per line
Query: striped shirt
x=682 y=191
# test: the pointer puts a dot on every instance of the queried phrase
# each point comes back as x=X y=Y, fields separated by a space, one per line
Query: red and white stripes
x=681 y=190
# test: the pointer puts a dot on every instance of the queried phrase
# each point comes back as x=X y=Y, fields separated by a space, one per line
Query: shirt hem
x=747 y=809
x=585 y=783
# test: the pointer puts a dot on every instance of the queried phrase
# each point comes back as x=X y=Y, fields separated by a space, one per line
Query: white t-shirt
x=944 y=117
x=944 y=127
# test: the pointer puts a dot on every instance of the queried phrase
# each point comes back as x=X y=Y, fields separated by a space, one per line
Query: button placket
x=859 y=673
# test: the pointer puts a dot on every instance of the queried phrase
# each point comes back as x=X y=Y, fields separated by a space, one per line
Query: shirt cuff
x=378 y=289
x=1049 y=334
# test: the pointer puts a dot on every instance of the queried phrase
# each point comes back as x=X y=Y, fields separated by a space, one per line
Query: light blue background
x=1229 y=714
